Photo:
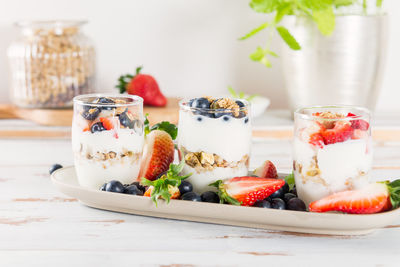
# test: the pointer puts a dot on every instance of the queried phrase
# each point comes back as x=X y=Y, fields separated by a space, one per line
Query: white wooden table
x=41 y=227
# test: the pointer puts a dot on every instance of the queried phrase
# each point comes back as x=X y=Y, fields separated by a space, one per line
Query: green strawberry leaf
x=254 y=31
x=166 y=127
x=123 y=82
x=223 y=195
x=290 y=180
x=288 y=38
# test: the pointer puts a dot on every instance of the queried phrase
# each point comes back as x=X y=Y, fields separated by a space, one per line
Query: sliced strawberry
x=359 y=134
x=158 y=154
x=266 y=170
x=360 y=124
x=370 y=199
x=108 y=124
x=317 y=140
x=246 y=190
x=351 y=115
x=341 y=132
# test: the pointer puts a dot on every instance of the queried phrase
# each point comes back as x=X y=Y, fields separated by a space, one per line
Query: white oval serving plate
x=285 y=220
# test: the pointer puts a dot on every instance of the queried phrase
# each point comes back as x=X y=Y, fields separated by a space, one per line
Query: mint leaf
x=264 y=6
x=290 y=181
x=254 y=31
x=232 y=92
x=166 y=127
x=288 y=38
x=325 y=20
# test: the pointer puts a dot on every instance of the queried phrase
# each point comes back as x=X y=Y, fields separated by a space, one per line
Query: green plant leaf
x=264 y=6
x=288 y=38
x=232 y=92
x=258 y=54
x=379 y=3
x=146 y=124
x=339 y=3
x=254 y=31
x=166 y=126
x=284 y=9
x=290 y=180
x=325 y=19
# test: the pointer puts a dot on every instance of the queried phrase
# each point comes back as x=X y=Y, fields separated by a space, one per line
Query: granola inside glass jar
x=50 y=62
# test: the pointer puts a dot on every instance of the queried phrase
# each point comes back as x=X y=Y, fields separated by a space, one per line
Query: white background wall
x=190 y=46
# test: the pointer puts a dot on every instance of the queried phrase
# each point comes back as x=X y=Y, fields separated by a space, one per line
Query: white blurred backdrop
x=190 y=46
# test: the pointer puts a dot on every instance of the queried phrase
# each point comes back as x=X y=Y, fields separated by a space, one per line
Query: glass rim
x=50 y=23
x=183 y=106
x=366 y=112
x=136 y=100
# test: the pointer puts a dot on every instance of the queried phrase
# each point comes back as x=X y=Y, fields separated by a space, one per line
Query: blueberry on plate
x=191 y=196
x=103 y=187
x=296 y=204
x=288 y=196
x=115 y=186
x=262 y=204
x=185 y=187
x=278 y=203
x=125 y=120
x=105 y=100
x=90 y=113
x=97 y=127
x=133 y=190
x=210 y=196
x=54 y=168
x=139 y=186
x=280 y=192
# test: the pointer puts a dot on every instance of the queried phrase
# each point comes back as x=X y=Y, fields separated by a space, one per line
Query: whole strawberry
x=142 y=85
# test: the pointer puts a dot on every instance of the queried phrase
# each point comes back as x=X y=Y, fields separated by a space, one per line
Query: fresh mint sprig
x=240 y=95
x=165 y=126
x=321 y=12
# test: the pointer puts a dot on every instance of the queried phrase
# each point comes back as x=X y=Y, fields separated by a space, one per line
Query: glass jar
x=332 y=150
x=51 y=62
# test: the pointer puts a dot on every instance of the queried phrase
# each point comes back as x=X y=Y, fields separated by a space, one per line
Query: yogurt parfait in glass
x=332 y=150
x=107 y=138
x=214 y=139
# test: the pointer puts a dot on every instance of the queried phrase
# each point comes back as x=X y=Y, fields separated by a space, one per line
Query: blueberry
x=105 y=100
x=90 y=113
x=281 y=192
x=133 y=190
x=262 y=204
x=191 y=196
x=278 y=203
x=97 y=127
x=190 y=102
x=210 y=196
x=103 y=187
x=201 y=103
x=54 y=168
x=296 y=204
x=288 y=196
x=185 y=187
x=239 y=103
x=199 y=118
x=125 y=120
x=226 y=118
x=139 y=186
x=246 y=120
x=115 y=186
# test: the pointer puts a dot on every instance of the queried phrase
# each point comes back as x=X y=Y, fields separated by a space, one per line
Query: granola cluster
x=111 y=157
x=226 y=104
x=54 y=67
x=202 y=161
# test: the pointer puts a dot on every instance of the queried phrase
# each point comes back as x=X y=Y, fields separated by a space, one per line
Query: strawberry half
x=266 y=170
x=373 y=198
x=108 y=124
x=341 y=132
x=143 y=85
x=158 y=154
x=246 y=190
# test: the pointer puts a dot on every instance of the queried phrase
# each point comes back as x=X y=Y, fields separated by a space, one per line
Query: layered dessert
x=107 y=138
x=332 y=151
x=214 y=139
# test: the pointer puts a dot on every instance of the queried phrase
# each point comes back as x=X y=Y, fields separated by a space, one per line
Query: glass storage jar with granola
x=50 y=62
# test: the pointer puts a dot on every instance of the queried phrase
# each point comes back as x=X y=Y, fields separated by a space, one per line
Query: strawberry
x=341 y=132
x=158 y=154
x=167 y=185
x=266 y=170
x=317 y=140
x=359 y=134
x=246 y=190
x=108 y=124
x=360 y=124
x=143 y=85
x=373 y=198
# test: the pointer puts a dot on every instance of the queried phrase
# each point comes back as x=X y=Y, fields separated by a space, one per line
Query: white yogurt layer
x=230 y=139
x=338 y=163
x=200 y=181
x=92 y=173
